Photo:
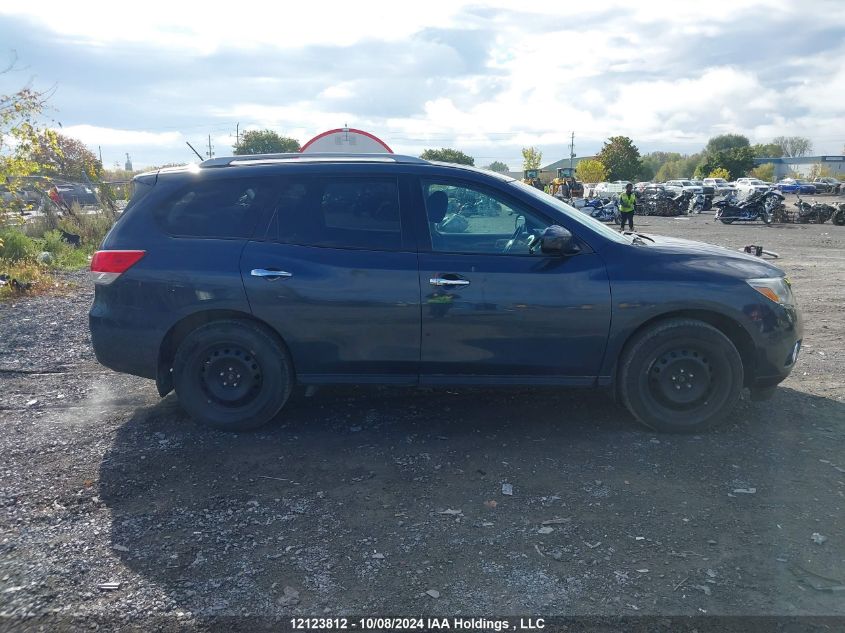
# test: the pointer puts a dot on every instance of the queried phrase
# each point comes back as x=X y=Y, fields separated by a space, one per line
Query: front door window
x=466 y=219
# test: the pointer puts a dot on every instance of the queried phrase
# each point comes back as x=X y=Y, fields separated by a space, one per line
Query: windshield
x=572 y=213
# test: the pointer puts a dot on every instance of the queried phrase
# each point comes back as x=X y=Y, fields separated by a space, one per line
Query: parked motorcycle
x=773 y=201
x=663 y=204
x=839 y=216
x=757 y=206
x=816 y=213
x=602 y=209
x=697 y=203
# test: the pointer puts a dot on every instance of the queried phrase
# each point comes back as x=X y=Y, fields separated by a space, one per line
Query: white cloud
x=606 y=68
x=93 y=135
x=206 y=26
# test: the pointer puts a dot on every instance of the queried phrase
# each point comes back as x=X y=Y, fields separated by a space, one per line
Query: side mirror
x=556 y=240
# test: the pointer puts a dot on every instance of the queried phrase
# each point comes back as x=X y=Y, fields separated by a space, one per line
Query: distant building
x=802 y=165
x=549 y=172
x=564 y=162
x=128 y=164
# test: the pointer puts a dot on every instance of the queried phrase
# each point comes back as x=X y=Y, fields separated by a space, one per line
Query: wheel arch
x=179 y=330
x=728 y=326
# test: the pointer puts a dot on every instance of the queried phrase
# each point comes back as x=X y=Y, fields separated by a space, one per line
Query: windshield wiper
x=638 y=238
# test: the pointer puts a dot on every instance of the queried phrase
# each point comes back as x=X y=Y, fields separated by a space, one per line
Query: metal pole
x=237 y=134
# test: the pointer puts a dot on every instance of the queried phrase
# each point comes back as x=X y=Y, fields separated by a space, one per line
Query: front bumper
x=778 y=344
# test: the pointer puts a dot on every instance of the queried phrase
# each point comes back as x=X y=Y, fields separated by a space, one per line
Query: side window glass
x=361 y=213
x=226 y=208
x=466 y=219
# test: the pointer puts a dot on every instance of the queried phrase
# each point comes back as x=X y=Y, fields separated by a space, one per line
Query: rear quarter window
x=356 y=213
x=225 y=208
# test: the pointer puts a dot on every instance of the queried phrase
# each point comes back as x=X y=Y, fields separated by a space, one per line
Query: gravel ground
x=376 y=500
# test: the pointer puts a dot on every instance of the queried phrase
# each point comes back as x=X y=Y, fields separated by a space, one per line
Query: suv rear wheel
x=680 y=375
x=232 y=375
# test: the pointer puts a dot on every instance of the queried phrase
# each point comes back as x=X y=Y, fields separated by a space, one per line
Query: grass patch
x=28 y=253
x=27 y=273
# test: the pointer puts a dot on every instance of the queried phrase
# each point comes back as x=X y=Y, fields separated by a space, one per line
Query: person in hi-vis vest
x=627 y=202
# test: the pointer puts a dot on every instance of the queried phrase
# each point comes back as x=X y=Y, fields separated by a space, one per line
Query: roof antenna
x=195 y=151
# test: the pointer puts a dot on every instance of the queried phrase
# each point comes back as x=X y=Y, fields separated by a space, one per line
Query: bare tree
x=793 y=145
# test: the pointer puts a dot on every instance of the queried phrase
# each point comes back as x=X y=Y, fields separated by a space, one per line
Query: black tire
x=680 y=376
x=727 y=220
x=232 y=375
x=839 y=218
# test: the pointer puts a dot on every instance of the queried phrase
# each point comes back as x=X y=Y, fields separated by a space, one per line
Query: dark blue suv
x=235 y=280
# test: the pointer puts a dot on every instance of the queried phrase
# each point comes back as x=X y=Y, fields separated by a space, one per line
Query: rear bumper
x=126 y=344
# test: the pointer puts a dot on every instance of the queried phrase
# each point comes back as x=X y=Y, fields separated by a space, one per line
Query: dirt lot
x=363 y=500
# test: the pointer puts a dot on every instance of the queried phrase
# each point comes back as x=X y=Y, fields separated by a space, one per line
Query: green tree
x=767 y=150
x=531 y=158
x=653 y=161
x=653 y=165
x=591 y=170
x=265 y=142
x=448 y=155
x=719 y=172
x=498 y=166
x=20 y=113
x=621 y=158
x=725 y=142
x=765 y=172
x=668 y=171
x=60 y=156
x=736 y=161
x=793 y=145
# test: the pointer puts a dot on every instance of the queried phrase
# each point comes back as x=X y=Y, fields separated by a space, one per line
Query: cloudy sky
x=485 y=77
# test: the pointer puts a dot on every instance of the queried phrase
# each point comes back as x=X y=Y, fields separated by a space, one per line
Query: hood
x=710 y=257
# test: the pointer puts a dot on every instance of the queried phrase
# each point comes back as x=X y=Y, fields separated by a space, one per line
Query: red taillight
x=109 y=265
x=115 y=261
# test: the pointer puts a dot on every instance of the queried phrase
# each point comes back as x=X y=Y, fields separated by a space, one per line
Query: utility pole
x=100 y=150
x=571 y=153
x=237 y=134
x=210 y=148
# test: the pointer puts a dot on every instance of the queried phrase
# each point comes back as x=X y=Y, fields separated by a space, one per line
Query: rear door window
x=225 y=208
x=359 y=213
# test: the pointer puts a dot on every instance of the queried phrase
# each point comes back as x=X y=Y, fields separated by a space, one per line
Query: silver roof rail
x=311 y=157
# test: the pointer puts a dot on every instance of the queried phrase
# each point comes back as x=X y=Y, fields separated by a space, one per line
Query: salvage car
x=234 y=281
x=682 y=186
x=827 y=185
x=794 y=185
x=747 y=186
x=721 y=187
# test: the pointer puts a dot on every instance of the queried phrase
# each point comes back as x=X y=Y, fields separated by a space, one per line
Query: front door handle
x=270 y=274
x=448 y=280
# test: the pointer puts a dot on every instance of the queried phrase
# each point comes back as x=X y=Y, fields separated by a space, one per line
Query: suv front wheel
x=680 y=375
x=232 y=375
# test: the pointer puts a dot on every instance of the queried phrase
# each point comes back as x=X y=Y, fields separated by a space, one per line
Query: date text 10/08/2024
x=417 y=624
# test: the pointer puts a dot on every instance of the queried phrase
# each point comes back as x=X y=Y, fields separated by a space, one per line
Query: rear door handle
x=448 y=280
x=270 y=274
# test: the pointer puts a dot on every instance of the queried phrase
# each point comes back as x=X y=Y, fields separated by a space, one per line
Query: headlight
x=777 y=289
